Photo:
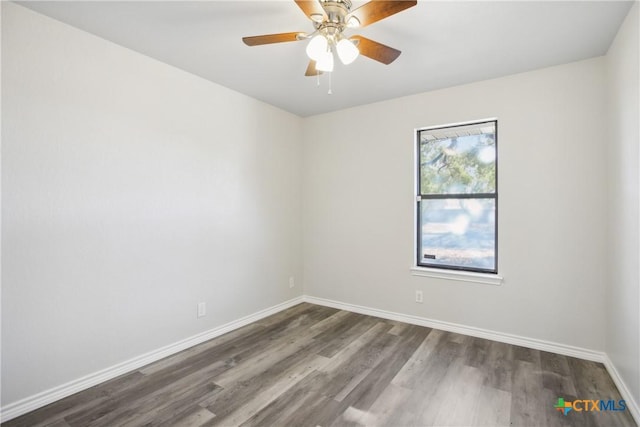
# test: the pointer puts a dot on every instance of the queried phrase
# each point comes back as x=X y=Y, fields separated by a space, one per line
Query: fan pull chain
x=318 y=78
x=330 y=91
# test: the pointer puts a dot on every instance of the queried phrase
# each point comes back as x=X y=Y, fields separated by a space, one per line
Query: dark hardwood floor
x=318 y=366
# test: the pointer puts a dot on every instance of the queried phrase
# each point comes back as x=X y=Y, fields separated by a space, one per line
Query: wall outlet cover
x=202 y=309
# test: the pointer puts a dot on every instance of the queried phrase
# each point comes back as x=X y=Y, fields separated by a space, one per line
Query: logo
x=589 y=405
x=563 y=406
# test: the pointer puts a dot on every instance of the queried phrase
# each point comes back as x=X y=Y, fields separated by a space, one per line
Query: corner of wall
x=623 y=222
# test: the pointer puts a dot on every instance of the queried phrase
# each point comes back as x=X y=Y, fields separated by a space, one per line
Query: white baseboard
x=567 y=350
x=632 y=405
x=46 y=397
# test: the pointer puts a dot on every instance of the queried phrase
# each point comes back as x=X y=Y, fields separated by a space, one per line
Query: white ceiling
x=443 y=43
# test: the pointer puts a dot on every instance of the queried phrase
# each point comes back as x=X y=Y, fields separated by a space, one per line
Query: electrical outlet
x=292 y=282
x=419 y=296
x=202 y=309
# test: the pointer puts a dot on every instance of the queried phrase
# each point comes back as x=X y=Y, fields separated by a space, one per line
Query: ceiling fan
x=330 y=18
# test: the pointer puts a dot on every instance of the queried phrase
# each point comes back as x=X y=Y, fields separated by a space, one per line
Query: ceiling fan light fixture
x=330 y=18
x=347 y=51
x=325 y=62
x=317 y=47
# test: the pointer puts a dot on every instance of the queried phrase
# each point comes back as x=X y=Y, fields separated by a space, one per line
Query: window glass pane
x=458 y=160
x=458 y=233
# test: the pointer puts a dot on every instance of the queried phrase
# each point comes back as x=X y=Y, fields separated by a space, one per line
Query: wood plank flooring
x=318 y=366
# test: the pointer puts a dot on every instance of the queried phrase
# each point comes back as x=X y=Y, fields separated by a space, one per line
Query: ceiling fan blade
x=376 y=10
x=311 y=7
x=271 y=38
x=375 y=50
x=311 y=69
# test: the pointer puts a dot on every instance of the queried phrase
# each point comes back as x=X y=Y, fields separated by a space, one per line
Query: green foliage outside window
x=459 y=165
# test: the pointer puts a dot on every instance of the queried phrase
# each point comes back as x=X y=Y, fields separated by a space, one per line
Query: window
x=457 y=197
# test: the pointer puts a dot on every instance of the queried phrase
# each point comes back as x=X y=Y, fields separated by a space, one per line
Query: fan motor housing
x=336 y=10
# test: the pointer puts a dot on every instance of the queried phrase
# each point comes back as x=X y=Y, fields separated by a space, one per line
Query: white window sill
x=462 y=276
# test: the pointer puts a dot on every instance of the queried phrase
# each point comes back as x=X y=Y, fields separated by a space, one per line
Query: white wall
x=358 y=227
x=131 y=191
x=623 y=143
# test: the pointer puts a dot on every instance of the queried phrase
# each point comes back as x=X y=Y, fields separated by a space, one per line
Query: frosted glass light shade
x=317 y=47
x=347 y=51
x=325 y=62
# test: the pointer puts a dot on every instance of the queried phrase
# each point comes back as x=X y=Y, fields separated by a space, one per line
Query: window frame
x=444 y=271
